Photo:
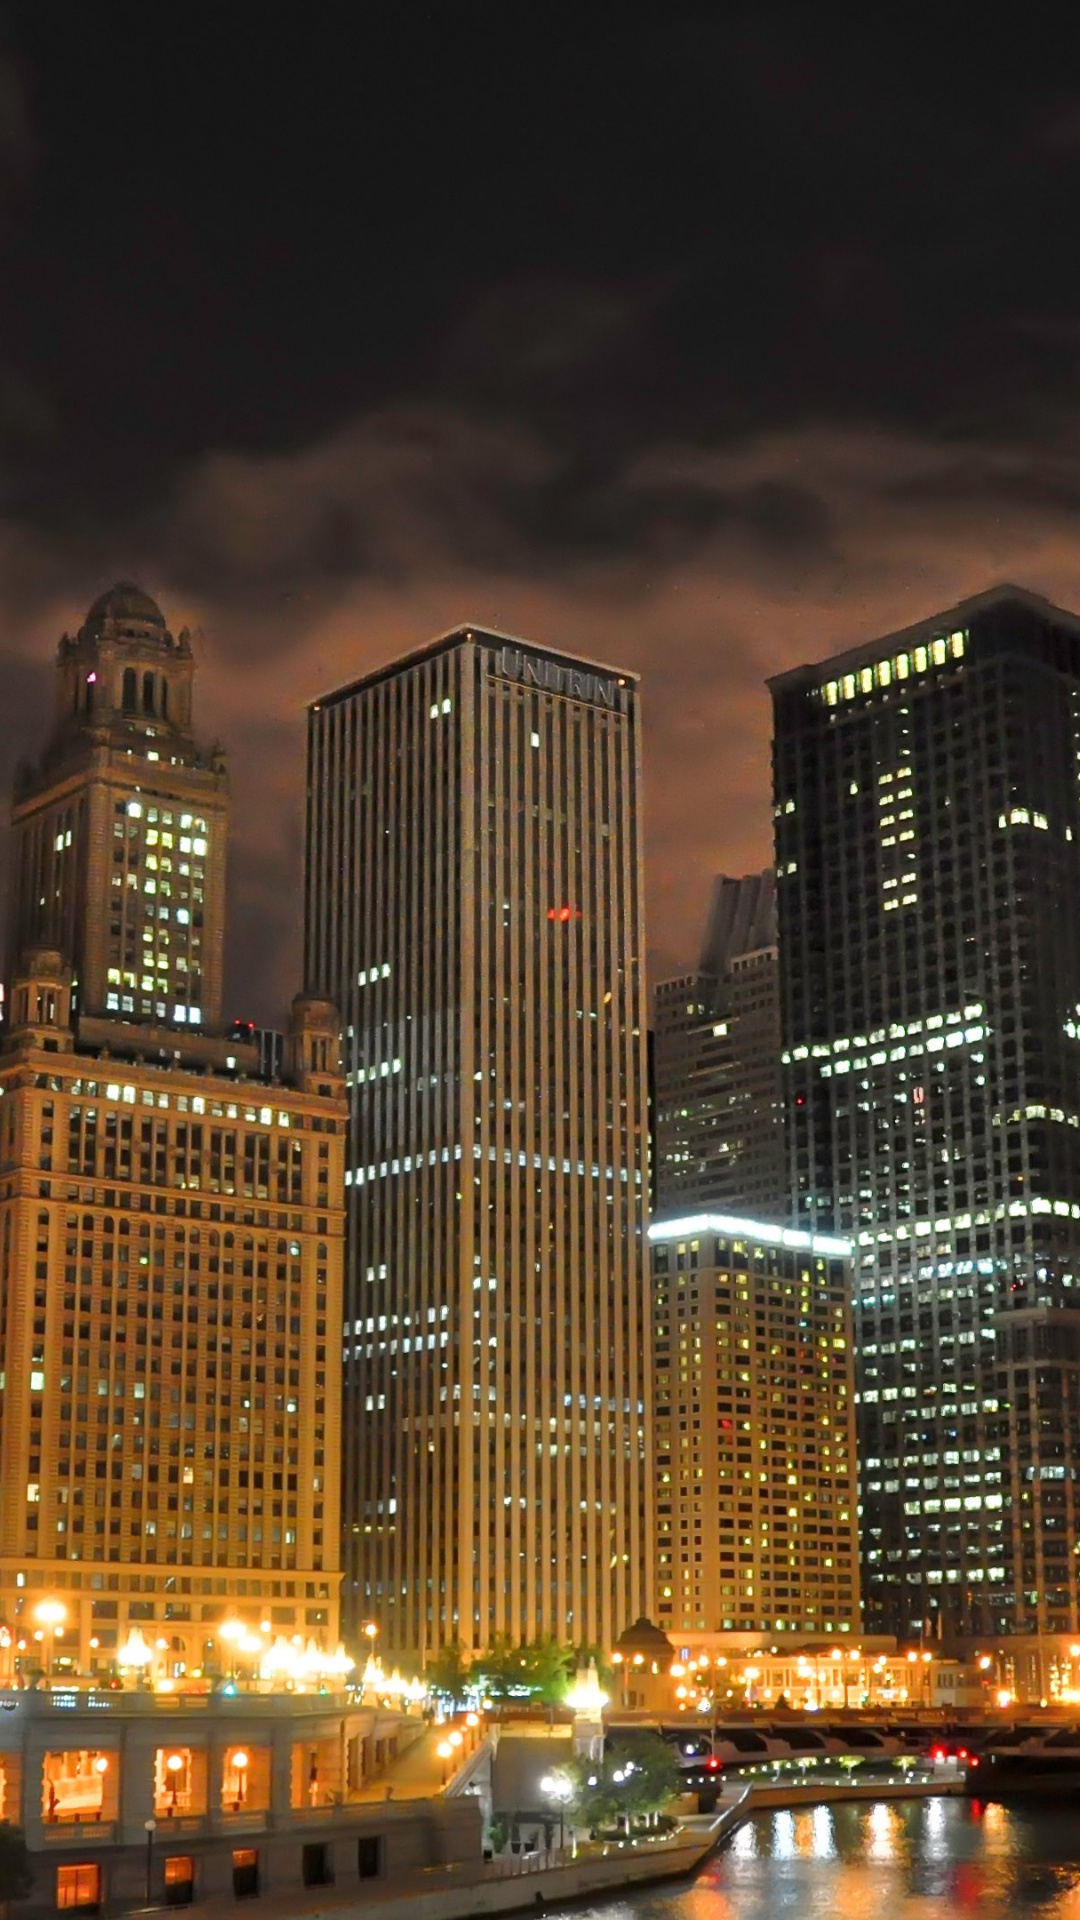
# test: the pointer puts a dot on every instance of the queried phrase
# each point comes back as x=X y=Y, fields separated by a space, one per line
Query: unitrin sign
x=554 y=676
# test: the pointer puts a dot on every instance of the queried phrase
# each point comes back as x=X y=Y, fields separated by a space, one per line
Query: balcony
x=72 y=1833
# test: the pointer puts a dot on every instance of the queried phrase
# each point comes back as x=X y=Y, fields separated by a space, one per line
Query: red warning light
x=564 y=913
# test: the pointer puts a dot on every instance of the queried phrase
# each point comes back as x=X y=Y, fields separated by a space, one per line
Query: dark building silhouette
x=716 y=1117
x=928 y=857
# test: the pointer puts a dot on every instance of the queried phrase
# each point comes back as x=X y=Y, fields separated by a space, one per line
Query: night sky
x=703 y=340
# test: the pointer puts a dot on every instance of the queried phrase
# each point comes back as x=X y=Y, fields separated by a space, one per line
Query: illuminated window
x=78 y=1887
x=179 y=1880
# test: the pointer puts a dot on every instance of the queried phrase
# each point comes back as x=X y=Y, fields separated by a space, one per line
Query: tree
x=16 y=1874
x=542 y=1669
x=448 y=1673
x=550 y=1668
x=650 y=1775
x=634 y=1780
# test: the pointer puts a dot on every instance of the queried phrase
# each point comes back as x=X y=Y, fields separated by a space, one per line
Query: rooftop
x=459 y=636
x=959 y=616
x=764 y=1232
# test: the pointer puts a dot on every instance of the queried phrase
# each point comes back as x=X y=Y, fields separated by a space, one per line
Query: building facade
x=928 y=859
x=754 y=1412
x=126 y=1807
x=717 y=1130
x=118 y=832
x=474 y=903
x=171 y=1234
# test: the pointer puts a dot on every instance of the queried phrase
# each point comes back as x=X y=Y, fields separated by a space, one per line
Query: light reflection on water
x=898 y=1860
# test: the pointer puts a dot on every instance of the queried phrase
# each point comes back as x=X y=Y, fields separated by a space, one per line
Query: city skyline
x=936 y=729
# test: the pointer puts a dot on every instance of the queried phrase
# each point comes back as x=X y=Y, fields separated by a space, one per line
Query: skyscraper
x=928 y=858
x=121 y=740
x=474 y=901
x=717 y=1127
x=171 y=1225
x=755 y=1430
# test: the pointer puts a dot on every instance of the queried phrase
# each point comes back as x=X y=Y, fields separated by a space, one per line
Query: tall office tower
x=171 y=1227
x=717 y=1130
x=474 y=901
x=755 y=1428
x=123 y=733
x=928 y=852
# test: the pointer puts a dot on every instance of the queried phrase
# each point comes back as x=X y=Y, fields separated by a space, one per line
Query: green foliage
x=448 y=1673
x=543 y=1669
x=635 y=1780
x=16 y=1874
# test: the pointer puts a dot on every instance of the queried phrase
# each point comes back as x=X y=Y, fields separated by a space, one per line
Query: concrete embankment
x=462 y=1892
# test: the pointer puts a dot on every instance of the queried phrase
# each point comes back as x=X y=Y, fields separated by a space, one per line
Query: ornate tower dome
x=125 y=612
x=123 y=665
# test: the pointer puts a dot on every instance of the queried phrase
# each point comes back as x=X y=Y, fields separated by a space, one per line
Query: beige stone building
x=124 y=1806
x=754 y=1422
x=170 y=1224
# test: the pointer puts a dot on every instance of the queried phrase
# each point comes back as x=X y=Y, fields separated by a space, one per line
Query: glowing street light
x=174 y=1767
x=240 y=1767
x=135 y=1653
x=50 y=1616
x=585 y=1696
x=555 y=1786
x=446 y=1753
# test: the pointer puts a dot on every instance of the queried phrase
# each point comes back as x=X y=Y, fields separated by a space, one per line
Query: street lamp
x=232 y=1631
x=50 y=1616
x=149 y=1828
x=135 y=1655
x=173 y=1767
x=558 y=1788
x=240 y=1766
x=445 y=1752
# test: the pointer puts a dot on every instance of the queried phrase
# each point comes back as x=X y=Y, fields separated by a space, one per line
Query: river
x=888 y=1860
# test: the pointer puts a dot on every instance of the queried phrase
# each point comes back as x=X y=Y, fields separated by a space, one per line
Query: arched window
x=148 y=693
x=129 y=695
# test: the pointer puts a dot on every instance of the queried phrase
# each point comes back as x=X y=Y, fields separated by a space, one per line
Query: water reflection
x=899 y=1860
x=824 y=1834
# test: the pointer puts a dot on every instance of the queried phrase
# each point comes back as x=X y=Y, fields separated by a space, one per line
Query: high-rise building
x=756 y=1494
x=928 y=855
x=474 y=903
x=122 y=744
x=171 y=1226
x=717 y=1132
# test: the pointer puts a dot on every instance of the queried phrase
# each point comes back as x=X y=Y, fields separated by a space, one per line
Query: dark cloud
x=705 y=345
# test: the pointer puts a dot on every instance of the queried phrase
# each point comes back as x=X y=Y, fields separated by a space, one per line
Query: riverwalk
x=533 y=1882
